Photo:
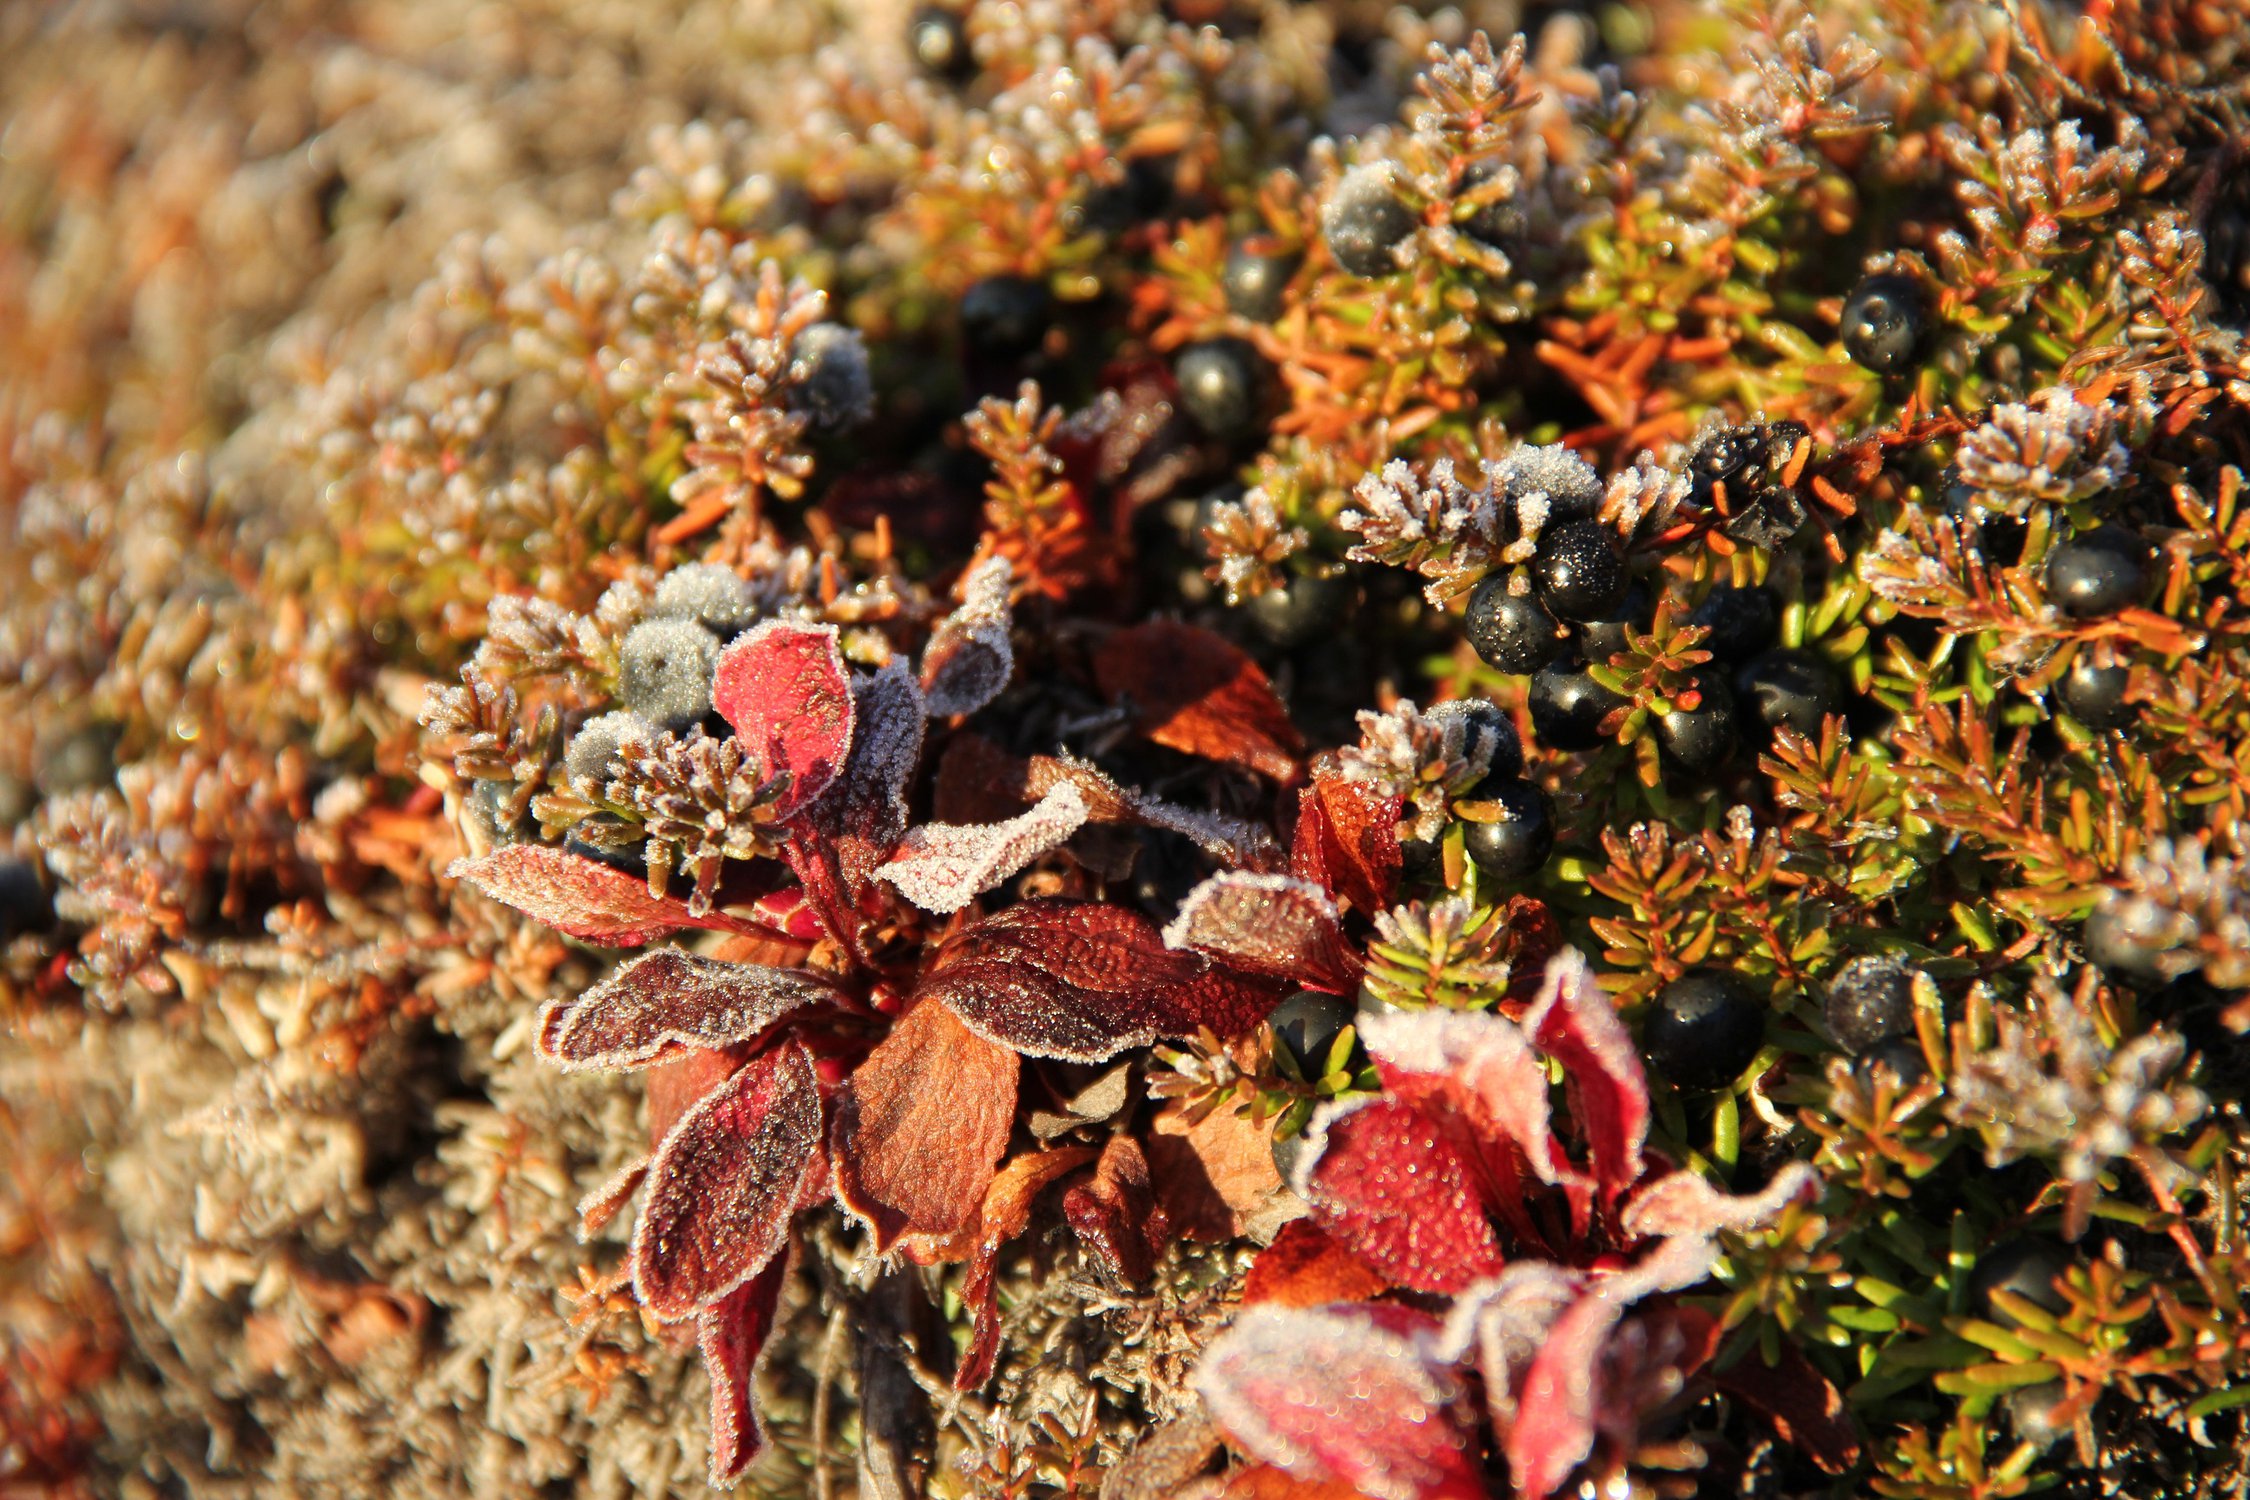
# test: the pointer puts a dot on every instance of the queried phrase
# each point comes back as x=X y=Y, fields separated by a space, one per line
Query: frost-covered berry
x=1301 y=610
x=586 y=759
x=1005 y=318
x=1580 y=575
x=1704 y=1029
x=1256 y=278
x=1568 y=706
x=1487 y=735
x=664 y=671
x=719 y=599
x=2097 y=574
x=2095 y=695
x=1741 y=621
x=1512 y=632
x=1572 y=488
x=1870 y=1000
x=1519 y=838
x=2027 y=1267
x=1221 y=383
x=938 y=41
x=1700 y=739
x=828 y=379
x=1883 y=323
x=1788 y=686
x=1364 y=221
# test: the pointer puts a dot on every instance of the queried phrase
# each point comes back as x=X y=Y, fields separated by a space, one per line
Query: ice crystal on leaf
x=2054 y=449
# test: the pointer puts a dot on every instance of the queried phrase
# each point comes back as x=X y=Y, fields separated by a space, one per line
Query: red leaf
x=1802 y=1404
x=1215 y=1176
x=1682 y=1203
x=921 y=1125
x=1083 y=981
x=732 y=1333
x=1503 y=1323
x=1006 y=1213
x=1341 y=1394
x=678 y=1082
x=1386 y=1185
x=784 y=688
x=1268 y=924
x=1197 y=693
x=1305 y=1268
x=1115 y=1214
x=969 y=659
x=670 y=999
x=584 y=897
x=725 y=1183
x=1573 y=1022
x=942 y=867
x=836 y=846
x=1347 y=840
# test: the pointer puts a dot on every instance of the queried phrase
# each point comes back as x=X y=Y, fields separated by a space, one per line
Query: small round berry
x=1705 y=1028
x=1417 y=857
x=1221 y=385
x=2026 y=1267
x=1870 y=1000
x=719 y=599
x=1572 y=489
x=1699 y=740
x=489 y=806
x=664 y=671
x=628 y=857
x=1742 y=621
x=1487 y=734
x=1364 y=221
x=1512 y=632
x=1257 y=276
x=1793 y=687
x=1883 y=323
x=1306 y=607
x=938 y=41
x=828 y=377
x=1519 y=839
x=1725 y=456
x=1579 y=573
x=1568 y=706
x=1005 y=318
x=1599 y=640
x=1901 y=1056
x=24 y=906
x=2095 y=695
x=1307 y=1023
x=1142 y=193
x=595 y=745
x=1292 y=1154
x=2097 y=574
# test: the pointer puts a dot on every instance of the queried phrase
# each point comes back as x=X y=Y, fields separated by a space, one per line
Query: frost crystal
x=1569 y=482
x=1425 y=758
x=1433 y=524
x=1248 y=542
x=2053 y=449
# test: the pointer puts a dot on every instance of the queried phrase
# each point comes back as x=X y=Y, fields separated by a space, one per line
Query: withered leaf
x=1303 y=1267
x=784 y=688
x=942 y=867
x=969 y=659
x=1347 y=840
x=1387 y=1186
x=1005 y=1214
x=1215 y=1175
x=1275 y=925
x=725 y=1183
x=670 y=999
x=921 y=1124
x=732 y=1334
x=1198 y=693
x=584 y=897
x=1115 y=1214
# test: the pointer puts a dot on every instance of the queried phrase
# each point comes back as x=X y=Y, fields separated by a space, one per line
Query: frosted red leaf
x=1683 y=1203
x=784 y=688
x=1303 y=1267
x=732 y=1334
x=942 y=867
x=1385 y=1185
x=1574 y=1022
x=1197 y=693
x=1347 y=840
x=921 y=1125
x=603 y=1203
x=1502 y=1324
x=1275 y=925
x=835 y=847
x=1115 y=1214
x=725 y=1183
x=584 y=897
x=678 y=1082
x=1342 y=1395
x=670 y=999
x=969 y=659
x=1081 y=980
x=1005 y=1214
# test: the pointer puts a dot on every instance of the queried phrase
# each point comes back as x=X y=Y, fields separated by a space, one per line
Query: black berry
x=1902 y=1056
x=664 y=671
x=1700 y=739
x=1257 y=278
x=1142 y=193
x=1486 y=734
x=1599 y=640
x=1580 y=575
x=828 y=376
x=1301 y=610
x=1005 y=318
x=1568 y=706
x=938 y=41
x=1870 y=1000
x=2095 y=695
x=1793 y=687
x=1512 y=632
x=2027 y=1267
x=24 y=906
x=1883 y=323
x=1365 y=220
x=1705 y=1028
x=1307 y=1024
x=1221 y=382
x=1512 y=833
x=1741 y=621
x=1417 y=857
x=2098 y=573
x=1552 y=473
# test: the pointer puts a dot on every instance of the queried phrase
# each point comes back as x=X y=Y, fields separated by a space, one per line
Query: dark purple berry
x=1742 y=621
x=1704 y=1029
x=1870 y=1000
x=1883 y=322
x=1579 y=573
x=1307 y=1024
x=24 y=906
x=1511 y=834
x=2097 y=574
x=1005 y=318
x=1902 y=1056
x=1418 y=857
x=828 y=376
x=1511 y=632
x=2026 y=1266
x=1793 y=687
x=1364 y=221
x=1599 y=640
x=597 y=742
x=1700 y=739
x=1256 y=278
x=1487 y=734
x=2095 y=695
x=1568 y=706
x=719 y=599
x=938 y=41
x=1554 y=474
x=1221 y=385
x=1301 y=610
x=1144 y=192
